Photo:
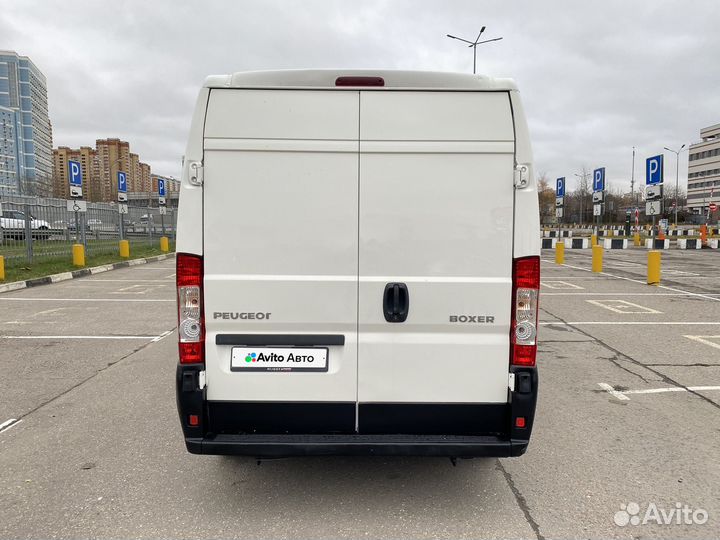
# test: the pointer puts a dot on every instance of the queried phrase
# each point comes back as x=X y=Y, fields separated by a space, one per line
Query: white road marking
x=29 y=299
x=623 y=307
x=643 y=283
x=610 y=323
x=610 y=390
x=151 y=338
x=9 y=424
x=137 y=289
x=171 y=276
x=705 y=340
x=622 y=395
x=163 y=335
x=126 y=281
x=617 y=294
x=557 y=284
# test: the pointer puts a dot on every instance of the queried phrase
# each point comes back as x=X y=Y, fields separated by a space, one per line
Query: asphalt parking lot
x=628 y=413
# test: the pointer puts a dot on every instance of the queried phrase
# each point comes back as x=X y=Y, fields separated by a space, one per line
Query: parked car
x=382 y=299
x=12 y=224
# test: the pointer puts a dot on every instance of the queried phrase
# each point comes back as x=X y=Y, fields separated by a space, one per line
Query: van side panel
x=189 y=221
x=527 y=213
x=436 y=214
x=281 y=231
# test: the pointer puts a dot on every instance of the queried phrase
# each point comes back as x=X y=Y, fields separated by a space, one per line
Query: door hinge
x=511 y=381
x=201 y=380
x=522 y=175
x=195 y=169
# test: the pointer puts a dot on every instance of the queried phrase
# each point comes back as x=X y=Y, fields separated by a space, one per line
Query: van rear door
x=280 y=246
x=436 y=221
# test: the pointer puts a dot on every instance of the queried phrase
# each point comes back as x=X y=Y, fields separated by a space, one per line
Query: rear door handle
x=396 y=302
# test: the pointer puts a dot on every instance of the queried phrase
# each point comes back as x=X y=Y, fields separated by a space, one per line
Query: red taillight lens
x=191 y=321
x=523 y=328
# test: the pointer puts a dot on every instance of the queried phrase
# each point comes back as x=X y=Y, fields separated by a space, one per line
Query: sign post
x=654 y=172
x=76 y=192
x=122 y=201
x=598 y=196
x=161 y=203
x=559 y=201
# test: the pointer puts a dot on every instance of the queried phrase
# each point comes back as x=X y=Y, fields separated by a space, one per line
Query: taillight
x=523 y=328
x=191 y=322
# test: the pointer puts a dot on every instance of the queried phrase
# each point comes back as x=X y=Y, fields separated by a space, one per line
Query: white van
x=358 y=266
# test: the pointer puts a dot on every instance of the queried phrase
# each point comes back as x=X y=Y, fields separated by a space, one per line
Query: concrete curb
x=64 y=276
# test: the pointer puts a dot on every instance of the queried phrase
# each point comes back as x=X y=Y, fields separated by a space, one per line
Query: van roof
x=325 y=78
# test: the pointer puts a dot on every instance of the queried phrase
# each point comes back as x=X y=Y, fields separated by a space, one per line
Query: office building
x=704 y=171
x=23 y=91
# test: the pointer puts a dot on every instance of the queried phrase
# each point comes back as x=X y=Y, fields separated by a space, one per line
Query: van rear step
x=274 y=446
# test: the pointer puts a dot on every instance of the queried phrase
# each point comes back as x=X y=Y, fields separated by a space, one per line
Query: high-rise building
x=23 y=90
x=704 y=170
x=113 y=156
x=145 y=175
x=89 y=165
x=9 y=149
x=172 y=185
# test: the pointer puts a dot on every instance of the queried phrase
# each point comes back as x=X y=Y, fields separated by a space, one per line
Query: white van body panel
x=281 y=233
x=315 y=197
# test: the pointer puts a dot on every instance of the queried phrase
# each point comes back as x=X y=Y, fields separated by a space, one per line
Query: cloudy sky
x=597 y=77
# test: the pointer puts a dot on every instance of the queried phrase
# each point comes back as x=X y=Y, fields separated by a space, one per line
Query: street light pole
x=582 y=195
x=677 y=174
x=474 y=44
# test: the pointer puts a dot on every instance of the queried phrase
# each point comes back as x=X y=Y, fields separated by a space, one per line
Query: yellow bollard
x=78 y=253
x=559 y=252
x=610 y=233
x=637 y=239
x=2 y=268
x=593 y=239
x=164 y=244
x=653 y=270
x=597 y=256
x=124 y=249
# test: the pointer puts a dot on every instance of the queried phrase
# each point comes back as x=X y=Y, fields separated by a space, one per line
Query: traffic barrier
x=559 y=253
x=689 y=243
x=636 y=239
x=653 y=269
x=713 y=243
x=549 y=243
x=597 y=258
x=656 y=243
x=164 y=244
x=577 y=243
x=615 y=243
x=554 y=234
x=124 y=249
x=78 y=255
x=2 y=268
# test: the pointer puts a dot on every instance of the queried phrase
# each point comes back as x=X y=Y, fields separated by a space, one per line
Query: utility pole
x=474 y=44
x=632 y=180
x=677 y=174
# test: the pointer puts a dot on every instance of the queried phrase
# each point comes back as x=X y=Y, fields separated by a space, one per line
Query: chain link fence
x=35 y=228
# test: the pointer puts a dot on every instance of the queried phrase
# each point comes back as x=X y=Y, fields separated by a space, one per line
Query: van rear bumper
x=275 y=446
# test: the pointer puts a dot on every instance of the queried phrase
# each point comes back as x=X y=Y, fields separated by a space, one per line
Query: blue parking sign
x=599 y=179
x=560 y=187
x=75 y=173
x=161 y=187
x=654 y=170
x=122 y=182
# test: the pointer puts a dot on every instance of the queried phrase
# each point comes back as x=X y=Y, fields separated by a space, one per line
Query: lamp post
x=474 y=44
x=677 y=174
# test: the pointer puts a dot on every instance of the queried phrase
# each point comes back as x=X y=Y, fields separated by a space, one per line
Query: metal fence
x=35 y=228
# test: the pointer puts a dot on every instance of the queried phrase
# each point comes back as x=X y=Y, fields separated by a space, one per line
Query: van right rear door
x=436 y=230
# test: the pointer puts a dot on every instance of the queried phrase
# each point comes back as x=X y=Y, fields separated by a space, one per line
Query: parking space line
x=588 y=293
x=557 y=284
x=126 y=281
x=151 y=338
x=163 y=335
x=609 y=323
x=643 y=283
x=622 y=395
x=32 y=299
x=9 y=424
x=623 y=307
x=705 y=340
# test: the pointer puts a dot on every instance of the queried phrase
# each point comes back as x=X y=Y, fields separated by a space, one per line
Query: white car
x=12 y=223
x=358 y=266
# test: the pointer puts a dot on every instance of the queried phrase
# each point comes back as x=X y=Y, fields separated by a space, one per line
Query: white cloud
x=597 y=77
